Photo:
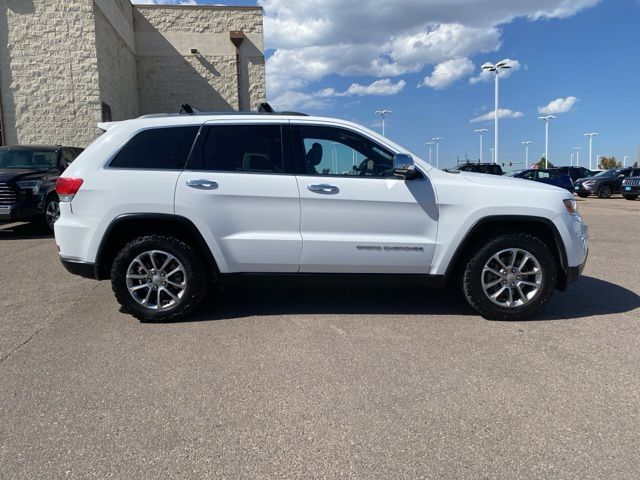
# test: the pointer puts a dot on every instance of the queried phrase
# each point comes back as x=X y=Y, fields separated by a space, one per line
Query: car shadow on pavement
x=303 y=297
x=586 y=298
x=590 y=297
x=22 y=231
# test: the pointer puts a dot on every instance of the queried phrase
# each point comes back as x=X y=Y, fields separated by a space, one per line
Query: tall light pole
x=571 y=161
x=526 y=144
x=481 y=131
x=496 y=68
x=577 y=150
x=430 y=144
x=493 y=151
x=436 y=140
x=546 y=121
x=383 y=114
x=590 y=135
x=624 y=160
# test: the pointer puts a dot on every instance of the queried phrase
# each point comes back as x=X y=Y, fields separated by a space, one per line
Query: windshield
x=27 y=158
x=607 y=173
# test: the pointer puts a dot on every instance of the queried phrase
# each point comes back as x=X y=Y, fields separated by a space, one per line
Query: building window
x=106 y=112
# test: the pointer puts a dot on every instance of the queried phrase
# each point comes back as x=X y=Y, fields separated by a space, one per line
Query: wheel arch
x=126 y=227
x=539 y=227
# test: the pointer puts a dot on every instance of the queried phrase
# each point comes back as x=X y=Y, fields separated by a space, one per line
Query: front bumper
x=15 y=213
x=582 y=188
x=630 y=190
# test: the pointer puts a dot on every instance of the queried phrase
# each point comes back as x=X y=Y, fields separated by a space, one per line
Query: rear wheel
x=630 y=197
x=158 y=278
x=511 y=277
x=605 y=191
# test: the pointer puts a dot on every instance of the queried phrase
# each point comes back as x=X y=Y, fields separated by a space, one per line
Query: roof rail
x=187 y=109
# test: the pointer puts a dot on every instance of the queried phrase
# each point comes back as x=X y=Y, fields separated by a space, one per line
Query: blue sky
x=328 y=59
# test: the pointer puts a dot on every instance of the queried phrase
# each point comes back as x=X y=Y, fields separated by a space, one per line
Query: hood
x=13 y=174
x=501 y=181
x=584 y=179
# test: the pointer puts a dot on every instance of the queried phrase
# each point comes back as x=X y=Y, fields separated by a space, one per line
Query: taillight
x=66 y=188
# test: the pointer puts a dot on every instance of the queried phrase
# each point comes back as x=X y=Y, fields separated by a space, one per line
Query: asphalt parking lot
x=324 y=381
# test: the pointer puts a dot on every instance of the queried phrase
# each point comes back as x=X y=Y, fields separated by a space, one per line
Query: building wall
x=48 y=71
x=115 y=47
x=169 y=75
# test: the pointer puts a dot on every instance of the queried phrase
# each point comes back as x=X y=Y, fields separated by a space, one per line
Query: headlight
x=32 y=185
x=571 y=205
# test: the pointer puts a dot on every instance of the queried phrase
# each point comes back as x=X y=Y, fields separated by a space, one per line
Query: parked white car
x=163 y=205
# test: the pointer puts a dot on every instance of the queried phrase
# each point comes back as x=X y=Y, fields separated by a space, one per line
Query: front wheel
x=158 y=278
x=605 y=191
x=511 y=277
x=50 y=215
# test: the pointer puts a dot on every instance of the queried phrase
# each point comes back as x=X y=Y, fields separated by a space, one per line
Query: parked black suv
x=490 y=168
x=575 y=172
x=28 y=175
x=630 y=188
x=604 y=184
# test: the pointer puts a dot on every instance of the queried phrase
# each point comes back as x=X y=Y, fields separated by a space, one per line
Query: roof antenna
x=188 y=109
x=265 y=108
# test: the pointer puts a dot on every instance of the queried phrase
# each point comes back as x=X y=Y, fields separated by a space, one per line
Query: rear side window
x=157 y=149
x=239 y=148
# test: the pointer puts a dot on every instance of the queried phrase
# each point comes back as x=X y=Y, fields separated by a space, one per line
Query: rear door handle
x=323 y=188
x=202 y=184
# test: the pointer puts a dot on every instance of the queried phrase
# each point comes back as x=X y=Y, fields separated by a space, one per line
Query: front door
x=236 y=191
x=356 y=217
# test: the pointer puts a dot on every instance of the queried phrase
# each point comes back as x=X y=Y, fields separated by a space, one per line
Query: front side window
x=336 y=151
x=157 y=149
x=239 y=148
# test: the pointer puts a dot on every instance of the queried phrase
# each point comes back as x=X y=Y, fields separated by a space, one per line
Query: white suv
x=165 y=204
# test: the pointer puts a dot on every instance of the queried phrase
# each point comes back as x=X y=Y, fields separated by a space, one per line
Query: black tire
x=583 y=195
x=195 y=277
x=605 y=191
x=630 y=197
x=473 y=276
x=51 y=213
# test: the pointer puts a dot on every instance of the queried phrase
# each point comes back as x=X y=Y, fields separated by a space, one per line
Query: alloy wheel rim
x=512 y=278
x=156 y=280
x=52 y=213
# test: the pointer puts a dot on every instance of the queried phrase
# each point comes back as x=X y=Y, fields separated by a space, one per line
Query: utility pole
x=383 y=114
x=436 y=140
x=481 y=131
x=526 y=144
x=546 y=121
x=577 y=150
x=591 y=135
x=496 y=68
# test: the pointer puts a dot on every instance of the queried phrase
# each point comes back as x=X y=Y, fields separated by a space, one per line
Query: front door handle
x=202 y=184
x=323 y=188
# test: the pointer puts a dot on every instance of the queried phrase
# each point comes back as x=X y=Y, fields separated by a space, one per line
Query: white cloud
x=486 y=75
x=559 y=105
x=445 y=73
x=290 y=100
x=502 y=113
x=317 y=38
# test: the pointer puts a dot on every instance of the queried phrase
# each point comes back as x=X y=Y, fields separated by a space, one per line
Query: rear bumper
x=82 y=269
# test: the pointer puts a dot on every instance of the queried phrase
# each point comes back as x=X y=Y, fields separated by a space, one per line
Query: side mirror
x=404 y=166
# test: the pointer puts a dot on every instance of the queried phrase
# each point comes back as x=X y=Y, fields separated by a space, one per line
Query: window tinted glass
x=158 y=148
x=334 y=151
x=11 y=157
x=240 y=148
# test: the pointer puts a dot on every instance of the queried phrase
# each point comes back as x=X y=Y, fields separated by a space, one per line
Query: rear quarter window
x=157 y=149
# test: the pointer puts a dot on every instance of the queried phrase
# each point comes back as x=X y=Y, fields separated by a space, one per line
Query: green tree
x=609 y=162
x=541 y=164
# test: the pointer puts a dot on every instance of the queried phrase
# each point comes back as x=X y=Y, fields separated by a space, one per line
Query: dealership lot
x=289 y=380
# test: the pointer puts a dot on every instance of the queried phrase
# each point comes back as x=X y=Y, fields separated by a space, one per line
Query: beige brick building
x=66 y=65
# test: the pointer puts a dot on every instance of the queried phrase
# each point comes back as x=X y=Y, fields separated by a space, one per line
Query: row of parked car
x=579 y=180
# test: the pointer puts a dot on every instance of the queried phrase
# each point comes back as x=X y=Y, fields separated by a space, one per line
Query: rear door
x=236 y=191
x=356 y=217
